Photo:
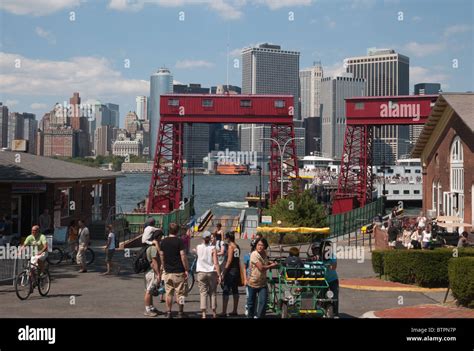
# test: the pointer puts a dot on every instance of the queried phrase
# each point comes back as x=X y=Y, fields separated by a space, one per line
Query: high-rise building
x=192 y=88
x=103 y=141
x=427 y=88
x=310 y=90
x=267 y=69
x=161 y=82
x=114 y=114
x=15 y=127
x=313 y=135
x=59 y=142
x=30 y=128
x=386 y=74
x=224 y=89
x=142 y=107
x=421 y=89
x=3 y=125
x=333 y=106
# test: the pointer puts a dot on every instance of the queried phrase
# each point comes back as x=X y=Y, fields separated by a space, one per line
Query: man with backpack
x=152 y=274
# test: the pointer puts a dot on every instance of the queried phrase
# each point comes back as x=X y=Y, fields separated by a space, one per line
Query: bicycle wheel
x=56 y=256
x=44 y=283
x=23 y=285
x=90 y=256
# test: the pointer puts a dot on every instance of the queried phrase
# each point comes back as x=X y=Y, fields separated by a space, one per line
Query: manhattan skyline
x=111 y=48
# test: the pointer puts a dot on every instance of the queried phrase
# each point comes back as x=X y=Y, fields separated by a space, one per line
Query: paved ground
x=91 y=295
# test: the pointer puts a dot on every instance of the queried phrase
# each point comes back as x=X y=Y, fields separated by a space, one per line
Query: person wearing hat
x=208 y=274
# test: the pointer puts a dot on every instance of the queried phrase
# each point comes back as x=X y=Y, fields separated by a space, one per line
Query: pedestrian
x=84 y=241
x=463 y=241
x=110 y=250
x=221 y=246
x=72 y=237
x=421 y=220
x=208 y=274
x=426 y=237
x=416 y=237
x=152 y=275
x=231 y=275
x=175 y=264
x=45 y=222
x=257 y=281
x=247 y=273
x=148 y=231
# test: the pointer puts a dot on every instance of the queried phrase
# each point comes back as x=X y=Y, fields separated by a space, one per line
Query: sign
x=19 y=145
x=266 y=219
x=29 y=188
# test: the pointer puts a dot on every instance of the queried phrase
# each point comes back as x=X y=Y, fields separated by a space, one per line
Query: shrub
x=461 y=280
x=378 y=261
x=428 y=268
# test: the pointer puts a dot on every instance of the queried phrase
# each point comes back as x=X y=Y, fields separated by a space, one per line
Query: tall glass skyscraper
x=161 y=82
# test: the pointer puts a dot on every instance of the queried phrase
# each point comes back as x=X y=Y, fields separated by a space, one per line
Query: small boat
x=232 y=169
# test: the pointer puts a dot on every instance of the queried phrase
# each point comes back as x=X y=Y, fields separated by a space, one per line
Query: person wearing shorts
x=152 y=276
x=175 y=264
x=39 y=244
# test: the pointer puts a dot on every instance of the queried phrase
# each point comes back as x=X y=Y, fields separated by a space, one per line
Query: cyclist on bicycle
x=39 y=244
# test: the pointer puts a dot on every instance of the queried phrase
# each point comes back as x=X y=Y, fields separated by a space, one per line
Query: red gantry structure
x=166 y=187
x=362 y=115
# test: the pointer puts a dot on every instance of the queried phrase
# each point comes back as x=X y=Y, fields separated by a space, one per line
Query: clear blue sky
x=44 y=56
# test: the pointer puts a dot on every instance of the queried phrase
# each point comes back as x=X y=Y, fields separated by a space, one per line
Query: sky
x=107 y=49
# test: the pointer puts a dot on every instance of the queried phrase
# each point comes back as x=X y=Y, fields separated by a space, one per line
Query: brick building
x=446 y=149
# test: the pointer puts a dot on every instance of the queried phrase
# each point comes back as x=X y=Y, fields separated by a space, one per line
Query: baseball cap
x=206 y=234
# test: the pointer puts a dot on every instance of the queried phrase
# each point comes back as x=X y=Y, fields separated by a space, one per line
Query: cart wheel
x=55 y=257
x=330 y=311
x=284 y=310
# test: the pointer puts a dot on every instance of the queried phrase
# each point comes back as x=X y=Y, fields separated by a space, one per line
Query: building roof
x=33 y=168
x=461 y=103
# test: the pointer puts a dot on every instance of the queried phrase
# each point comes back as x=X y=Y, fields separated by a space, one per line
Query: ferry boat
x=232 y=169
x=403 y=181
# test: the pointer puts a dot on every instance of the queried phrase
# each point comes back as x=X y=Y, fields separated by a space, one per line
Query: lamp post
x=282 y=152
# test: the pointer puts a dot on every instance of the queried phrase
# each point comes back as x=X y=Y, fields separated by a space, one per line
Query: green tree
x=298 y=209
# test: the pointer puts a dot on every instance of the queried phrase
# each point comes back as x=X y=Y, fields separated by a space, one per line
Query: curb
x=369 y=314
x=390 y=288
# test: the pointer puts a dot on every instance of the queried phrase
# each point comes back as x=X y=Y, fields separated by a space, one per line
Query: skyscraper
x=333 y=92
x=142 y=107
x=387 y=74
x=30 y=128
x=15 y=127
x=3 y=125
x=161 y=82
x=114 y=114
x=310 y=89
x=267 y=69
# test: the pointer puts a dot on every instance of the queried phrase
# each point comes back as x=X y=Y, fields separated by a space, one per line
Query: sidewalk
x=422 y=311
x=375 y=284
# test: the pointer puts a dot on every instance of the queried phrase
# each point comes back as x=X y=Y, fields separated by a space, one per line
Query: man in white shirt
x=426 y=237
x=147 y=236
x=84 y=241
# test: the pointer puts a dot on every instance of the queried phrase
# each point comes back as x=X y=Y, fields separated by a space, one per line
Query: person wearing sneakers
x=208 y=274
x=176 y=268
x=152 y=276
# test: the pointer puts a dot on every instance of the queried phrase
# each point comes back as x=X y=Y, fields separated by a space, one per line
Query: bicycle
x=29 y=278
x=191 y=278
x=58 y=255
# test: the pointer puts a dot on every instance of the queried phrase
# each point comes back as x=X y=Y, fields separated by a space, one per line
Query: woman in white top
x=421 y=220
x=208 y=274
x=416 y=238
x=110 y=250
x=426 y=237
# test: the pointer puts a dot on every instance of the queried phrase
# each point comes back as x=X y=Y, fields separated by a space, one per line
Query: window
x=173 y=102
x=457 y=166
x=416 y=192
x=279 y=103
x=207 y=103
x=417 y=170
x=359 y=106
x=245 y=103
x=407 y=170
x=434 y=197
x=406 y=192
x=396 y=192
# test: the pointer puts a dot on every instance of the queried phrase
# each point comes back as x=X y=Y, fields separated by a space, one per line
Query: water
x=225 y=194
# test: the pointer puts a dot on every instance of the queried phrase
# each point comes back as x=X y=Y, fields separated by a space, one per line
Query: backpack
x=295 y=263
x=140 y=261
